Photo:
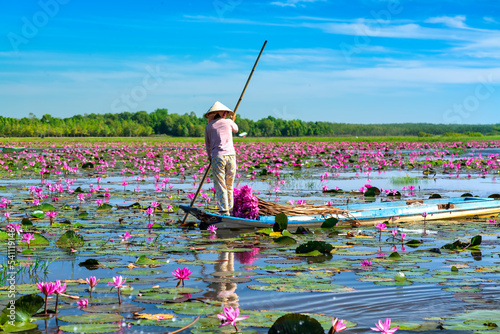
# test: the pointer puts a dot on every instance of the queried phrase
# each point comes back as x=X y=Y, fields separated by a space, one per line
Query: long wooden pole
x=235 y=109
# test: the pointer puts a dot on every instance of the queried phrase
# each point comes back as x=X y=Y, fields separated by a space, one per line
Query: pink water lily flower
x=27 y=237
x=126 y=236
x=83 y=303
x=92 y=281
x=337 y=326
x=51 y=215
x=384 y=328
x=230 y=316
x=117 y=283
x=366 y=263
x=212 y=228
x=14 y=228
x=47 y=288
x=380 y=227
x=181 y=275
x=59 y=289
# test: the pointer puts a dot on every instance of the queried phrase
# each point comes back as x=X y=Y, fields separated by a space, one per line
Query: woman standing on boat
x=220 y=149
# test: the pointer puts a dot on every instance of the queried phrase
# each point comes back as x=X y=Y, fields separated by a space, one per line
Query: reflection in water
x=247 y=258
x=477 y=255
x=224 y=291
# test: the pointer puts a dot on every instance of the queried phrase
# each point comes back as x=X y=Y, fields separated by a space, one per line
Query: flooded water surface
x=111 y=210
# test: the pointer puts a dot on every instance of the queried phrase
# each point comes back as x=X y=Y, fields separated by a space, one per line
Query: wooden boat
x=367 y=214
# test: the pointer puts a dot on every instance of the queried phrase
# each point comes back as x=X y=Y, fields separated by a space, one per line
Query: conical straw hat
x=217 y=106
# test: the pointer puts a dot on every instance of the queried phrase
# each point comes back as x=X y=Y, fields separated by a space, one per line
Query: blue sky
x=348 y=61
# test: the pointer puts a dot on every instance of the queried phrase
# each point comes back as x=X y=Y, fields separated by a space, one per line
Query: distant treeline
x=160 y=122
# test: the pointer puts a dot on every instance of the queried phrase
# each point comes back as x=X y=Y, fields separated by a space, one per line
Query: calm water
x=367 y=300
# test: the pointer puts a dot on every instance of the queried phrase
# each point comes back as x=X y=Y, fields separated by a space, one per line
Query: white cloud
x=294 y=3
x=489 y=19
x=452 y=22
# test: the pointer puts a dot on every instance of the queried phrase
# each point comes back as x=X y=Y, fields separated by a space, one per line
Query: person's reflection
x=224 y=288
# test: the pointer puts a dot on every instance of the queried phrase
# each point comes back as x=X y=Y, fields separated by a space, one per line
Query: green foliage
x=294 y=323
x=422 y=134
x=310 y=246
x=104 y=207
x=404 y=180
x=395 y=256
x=160 y=122
x=476 y=241
x=413 y=243
x=280 y=222
x=329 y=223
x=372 y=192
x=25 y=307
x=285 y=240
x=457 y=245
x=47 y=207
x=70 y=240
x=89 y=263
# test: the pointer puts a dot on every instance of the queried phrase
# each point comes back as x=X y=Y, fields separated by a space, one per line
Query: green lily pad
x=70 y=239
x=38 y=214
x=47 y=207
x=25 y=307
x=104 y=207
x=310 y=246
x=233 y=273
x=19 y=327
x=39 y=240
x=285 y=240
x=143 y=260
x=463 y=289
x=280 y=222
x=295 y=323
x=91 y=328
x=91 y=318
x=83 y=214
x=194 y=308
x=330 y=223
x=173 y=290
x=395 y=256
x=415 y=326
x=317 y=287
x=141 y=272
x=312 y=253
x=114 y=308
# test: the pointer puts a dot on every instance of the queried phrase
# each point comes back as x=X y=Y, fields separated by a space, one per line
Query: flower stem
x=57 y=302
x=45 y=309
x=119 y=297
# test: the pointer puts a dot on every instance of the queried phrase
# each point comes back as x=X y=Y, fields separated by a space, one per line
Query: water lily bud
x=400 y=276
